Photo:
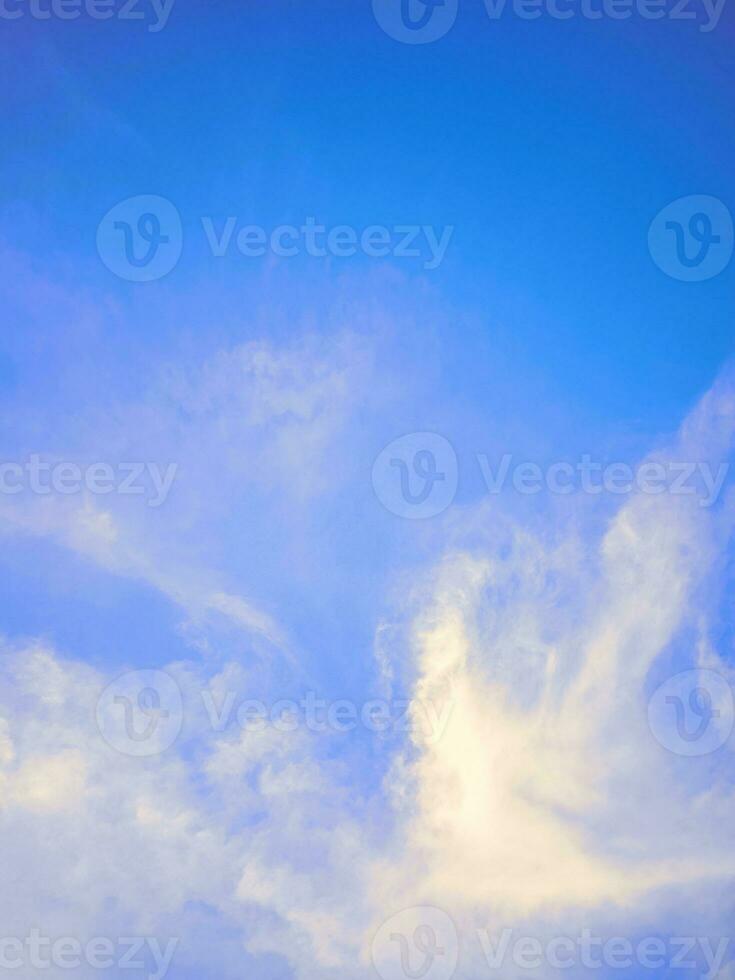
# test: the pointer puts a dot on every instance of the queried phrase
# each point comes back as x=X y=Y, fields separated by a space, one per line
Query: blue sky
x=280 y=558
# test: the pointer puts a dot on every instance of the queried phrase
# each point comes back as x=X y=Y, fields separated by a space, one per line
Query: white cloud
x=546 y=799
x=547 y=793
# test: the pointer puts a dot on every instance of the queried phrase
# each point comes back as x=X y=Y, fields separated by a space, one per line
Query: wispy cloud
x=546 y=794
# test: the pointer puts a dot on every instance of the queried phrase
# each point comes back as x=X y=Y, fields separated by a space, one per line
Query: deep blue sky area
x=548 y=145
